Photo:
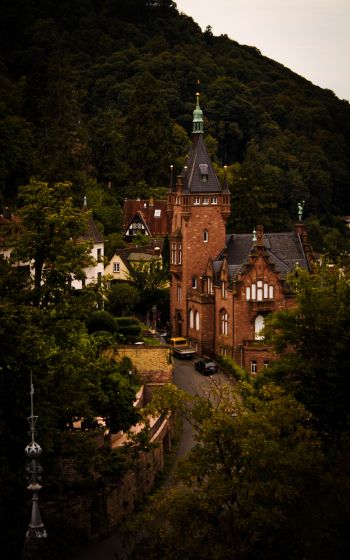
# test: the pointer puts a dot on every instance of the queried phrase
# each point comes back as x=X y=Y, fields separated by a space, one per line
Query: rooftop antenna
x=35 y=540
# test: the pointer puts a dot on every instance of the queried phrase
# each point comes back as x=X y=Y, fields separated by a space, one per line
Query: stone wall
x=153 y=363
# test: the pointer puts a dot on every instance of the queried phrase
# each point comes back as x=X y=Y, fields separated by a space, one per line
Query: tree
x=249 y=479
x=48 y=239
x=313 y=340
x=122 y=299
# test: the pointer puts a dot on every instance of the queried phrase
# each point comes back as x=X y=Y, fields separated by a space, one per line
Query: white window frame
x=205 y=200
x=197 y=320
x=116 y=267
x=271 y=292
x=259 y=324
x=190 y=318
x=197 y=200
x=247 y=293
x=253 y=367
x=205 y=236
x=214 y=199
x=224 y=322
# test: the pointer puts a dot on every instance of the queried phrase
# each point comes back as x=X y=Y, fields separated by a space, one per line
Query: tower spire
x=36 y=535
x=198 y=118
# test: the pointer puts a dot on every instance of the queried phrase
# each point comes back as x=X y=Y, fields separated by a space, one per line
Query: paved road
x=188 y=379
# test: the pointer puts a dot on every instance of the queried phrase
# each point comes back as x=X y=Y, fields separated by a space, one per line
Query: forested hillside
x=101 y=93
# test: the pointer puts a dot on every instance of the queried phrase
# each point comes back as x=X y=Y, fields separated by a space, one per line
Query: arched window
x=196 y=320
x=194 y=282
x=223 y=322
x=259 y=325
x=205 y=236
x=191 y=318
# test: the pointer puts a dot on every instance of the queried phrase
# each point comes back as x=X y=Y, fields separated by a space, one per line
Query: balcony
x=264 y=305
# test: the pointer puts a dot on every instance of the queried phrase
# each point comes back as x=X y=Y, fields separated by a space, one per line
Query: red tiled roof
x=153 y=213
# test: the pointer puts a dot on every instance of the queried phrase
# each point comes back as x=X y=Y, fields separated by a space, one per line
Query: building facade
x=223 y=286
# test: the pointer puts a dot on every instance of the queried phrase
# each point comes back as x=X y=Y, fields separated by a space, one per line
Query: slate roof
x=152 y=212
x=92 y=233
x=199 y=156
x=284 y=250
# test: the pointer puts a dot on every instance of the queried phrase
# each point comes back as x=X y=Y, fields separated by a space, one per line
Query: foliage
x=122 y=298
x=101 y=93
x=231 y=368
x=250 y=479
x=313 y=341
x=101 y=321
x=48 y=239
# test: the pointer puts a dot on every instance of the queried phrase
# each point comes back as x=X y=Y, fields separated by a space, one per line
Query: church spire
x=36 y=537
x=197 y=118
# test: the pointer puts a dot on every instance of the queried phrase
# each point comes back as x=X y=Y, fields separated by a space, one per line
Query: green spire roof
x=197 y=118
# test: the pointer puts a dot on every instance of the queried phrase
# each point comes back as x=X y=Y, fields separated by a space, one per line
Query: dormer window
x=203 y=169
x=157 y=213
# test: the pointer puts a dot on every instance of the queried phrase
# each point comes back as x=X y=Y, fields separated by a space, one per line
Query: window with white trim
x=191 y=321
x=258 y=327
x=271 y=292
x=205 y=200
x=205 y=236
x=223 y=322
x=194 y=282
x=224 y=289
x=178 y=293
x=247 y=293
x=259 y=292
x=196 y=320
x=116 y=267
x=253 y=367
x=214 y=199
x=180 y=253
x=197 y=200
x=173 y=253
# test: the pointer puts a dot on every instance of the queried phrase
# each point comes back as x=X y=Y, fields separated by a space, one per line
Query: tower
x=198 y=207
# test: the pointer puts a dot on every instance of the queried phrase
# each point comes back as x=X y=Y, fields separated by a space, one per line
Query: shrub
x=101 y=321
x=232 y=368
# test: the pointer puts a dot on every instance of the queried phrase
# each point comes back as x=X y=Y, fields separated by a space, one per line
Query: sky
x=311 y=37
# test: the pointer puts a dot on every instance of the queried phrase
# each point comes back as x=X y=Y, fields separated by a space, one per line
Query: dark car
x=206 y=366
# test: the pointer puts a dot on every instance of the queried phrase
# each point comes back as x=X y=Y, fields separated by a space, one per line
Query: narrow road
x=188 y=379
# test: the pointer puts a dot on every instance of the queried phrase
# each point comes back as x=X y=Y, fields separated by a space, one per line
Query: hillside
x=101 y=92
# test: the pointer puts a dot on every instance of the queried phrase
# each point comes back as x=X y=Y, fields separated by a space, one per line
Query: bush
x=128 y=327
x=101 y=321
x=232 y=368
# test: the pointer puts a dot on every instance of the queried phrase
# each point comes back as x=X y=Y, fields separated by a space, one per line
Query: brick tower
x=198 y=208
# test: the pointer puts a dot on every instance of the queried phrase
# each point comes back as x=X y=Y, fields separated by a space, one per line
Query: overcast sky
x=311 y=37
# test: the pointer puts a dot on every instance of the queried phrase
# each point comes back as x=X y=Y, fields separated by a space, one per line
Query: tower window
x=197 y=200
x=203 y=169
x=205 y=236
x=205 y=200
x=214 y=200
x=194 y=282
x=180 y=253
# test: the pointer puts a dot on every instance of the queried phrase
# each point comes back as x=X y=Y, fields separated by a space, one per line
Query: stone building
x=223 y=286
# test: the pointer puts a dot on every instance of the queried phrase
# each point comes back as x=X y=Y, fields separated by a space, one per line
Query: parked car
x=206 y=366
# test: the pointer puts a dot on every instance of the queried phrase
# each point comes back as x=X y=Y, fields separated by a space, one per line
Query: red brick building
x=223 y=286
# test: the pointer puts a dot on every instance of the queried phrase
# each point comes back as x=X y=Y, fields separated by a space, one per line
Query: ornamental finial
x=301 y=210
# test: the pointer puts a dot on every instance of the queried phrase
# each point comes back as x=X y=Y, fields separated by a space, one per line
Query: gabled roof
x=152 y=212
x=284 y=251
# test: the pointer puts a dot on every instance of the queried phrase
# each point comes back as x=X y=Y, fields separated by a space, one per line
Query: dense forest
x=101 y=93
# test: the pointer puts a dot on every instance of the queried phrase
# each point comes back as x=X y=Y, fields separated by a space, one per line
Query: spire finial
x=36 y=534
x=197 y=118
x=254 y=235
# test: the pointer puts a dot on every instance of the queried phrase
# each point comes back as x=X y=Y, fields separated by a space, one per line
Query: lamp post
x=36 y=536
